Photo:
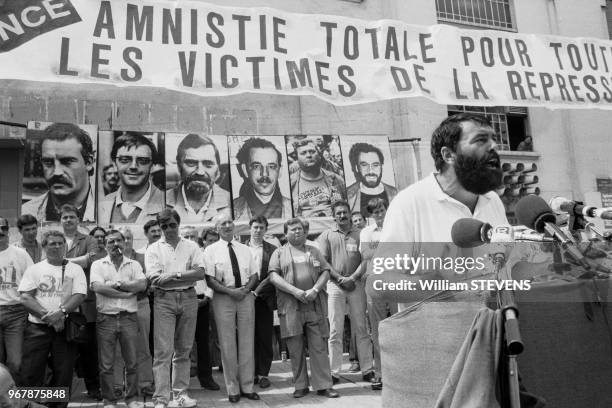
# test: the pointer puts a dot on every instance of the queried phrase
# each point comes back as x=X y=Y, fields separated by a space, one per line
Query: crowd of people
x=183 y=279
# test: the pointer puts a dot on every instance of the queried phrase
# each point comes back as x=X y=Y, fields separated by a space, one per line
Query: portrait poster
x=368 y=169
x=260 y=177
x=316 y=174
x=59 y=168
x=197 y=176
x=131 y=166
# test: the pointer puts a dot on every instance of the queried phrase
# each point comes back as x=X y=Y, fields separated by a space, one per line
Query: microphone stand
x=512 y=335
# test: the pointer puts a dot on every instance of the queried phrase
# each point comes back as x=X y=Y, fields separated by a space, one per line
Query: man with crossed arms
x=173 y=265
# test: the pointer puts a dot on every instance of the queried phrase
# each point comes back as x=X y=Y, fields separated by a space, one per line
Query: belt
x=175 y=290
x=121 y=313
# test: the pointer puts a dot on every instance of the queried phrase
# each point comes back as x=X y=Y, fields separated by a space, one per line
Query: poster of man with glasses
x=140 y=195
x=370 y=174
x=260 y=180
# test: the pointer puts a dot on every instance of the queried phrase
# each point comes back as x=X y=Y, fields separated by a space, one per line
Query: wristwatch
x=178 y=275
x=64 y=311
x=315 y=289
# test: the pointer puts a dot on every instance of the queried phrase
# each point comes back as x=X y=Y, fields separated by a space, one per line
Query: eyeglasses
x=4 y=228
x=141 y=161
x=369 y=166
x=172 y=225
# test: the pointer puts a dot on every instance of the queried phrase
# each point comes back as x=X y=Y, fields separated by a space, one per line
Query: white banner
x=212 y=50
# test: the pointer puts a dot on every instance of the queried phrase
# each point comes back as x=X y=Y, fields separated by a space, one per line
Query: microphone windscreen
x=466 y=233
x=533 y=212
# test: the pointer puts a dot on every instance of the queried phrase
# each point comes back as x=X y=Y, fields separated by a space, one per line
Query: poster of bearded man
x=369 y=170
x=197 y=176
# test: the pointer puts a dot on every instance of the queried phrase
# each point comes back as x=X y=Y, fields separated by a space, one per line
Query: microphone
x=533 y=212
x=561 y=204
x=470 y=233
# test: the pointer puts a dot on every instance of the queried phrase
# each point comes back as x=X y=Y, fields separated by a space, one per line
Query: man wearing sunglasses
x=173 y=266
x=137 y=200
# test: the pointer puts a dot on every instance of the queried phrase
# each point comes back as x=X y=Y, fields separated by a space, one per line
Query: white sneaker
x=135 y=404
x=182 y=401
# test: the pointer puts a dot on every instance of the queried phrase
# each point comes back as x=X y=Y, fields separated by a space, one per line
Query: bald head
x=225 y=226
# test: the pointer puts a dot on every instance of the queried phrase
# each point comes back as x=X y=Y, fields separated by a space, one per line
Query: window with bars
x=497 y=14
x=510 y=123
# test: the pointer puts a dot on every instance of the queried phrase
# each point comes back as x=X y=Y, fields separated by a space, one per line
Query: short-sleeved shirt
x=219 y=265
x=51 y=291
x=368 y=241
x=161 y=257
x=13 y=263
x=341 y=249
x=103 y=271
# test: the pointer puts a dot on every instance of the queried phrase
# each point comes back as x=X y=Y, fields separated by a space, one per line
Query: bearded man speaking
x=465 y=154
x=198 y=198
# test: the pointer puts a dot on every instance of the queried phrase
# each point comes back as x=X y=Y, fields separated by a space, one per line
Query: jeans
x=174 y=331
x=122 y=328
x=337 y=299
x=41 y=340
x=145 y=361
x=12 y=324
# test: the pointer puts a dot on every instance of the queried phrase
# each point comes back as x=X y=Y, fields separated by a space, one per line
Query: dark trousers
x=201 y=336
x=88 y=360
x=123 y=329
x=264 y=329
x=41 y=340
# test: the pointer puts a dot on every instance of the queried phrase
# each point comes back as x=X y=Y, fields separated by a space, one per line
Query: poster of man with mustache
x=368 y=169
x=260 y=180
x=60 y=167
x=136 y=156
x=197 y=176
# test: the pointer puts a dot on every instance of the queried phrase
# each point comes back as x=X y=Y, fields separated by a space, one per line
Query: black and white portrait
x=368 y=169
x=260 y=178
x=197 y=176
x=316 y=174
x=132 y=177
x=60 y=167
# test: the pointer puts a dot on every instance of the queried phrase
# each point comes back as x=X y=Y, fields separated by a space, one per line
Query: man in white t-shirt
x=13 y=263
x=50 y=290
x=116 y=279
